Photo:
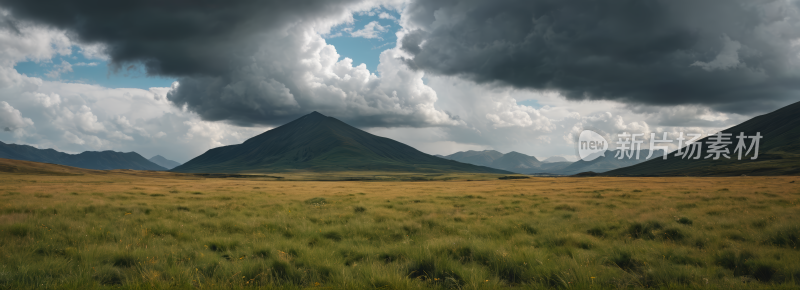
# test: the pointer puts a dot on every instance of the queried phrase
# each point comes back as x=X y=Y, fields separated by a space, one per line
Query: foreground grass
x=132 y=232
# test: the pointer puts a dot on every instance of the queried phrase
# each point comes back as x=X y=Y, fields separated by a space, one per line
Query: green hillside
x=315 y=142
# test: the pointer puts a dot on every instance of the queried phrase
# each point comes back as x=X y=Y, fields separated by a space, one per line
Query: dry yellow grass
x=148 y=229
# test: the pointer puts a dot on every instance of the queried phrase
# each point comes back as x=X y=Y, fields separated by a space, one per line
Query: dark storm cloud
x=735 y=56
x=172 y=37
x=244 y=61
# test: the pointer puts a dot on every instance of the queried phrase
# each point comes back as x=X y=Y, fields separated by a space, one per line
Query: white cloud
x=93 y=51
x=385 y=15
x=86 y=64
x=58 y=69
x=371 y=30
x=72 y=138
x=11 y=119
x=120 y=136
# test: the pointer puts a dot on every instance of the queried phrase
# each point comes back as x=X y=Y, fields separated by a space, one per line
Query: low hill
x=779 y=151
x=316 y=142
x=30 y=167
x=164 y=162
x=104 y=160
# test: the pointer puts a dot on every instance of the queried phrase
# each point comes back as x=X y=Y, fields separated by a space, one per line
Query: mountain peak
x=164 y=162
x=313 y=117
x=315 y=142
x=315 y=114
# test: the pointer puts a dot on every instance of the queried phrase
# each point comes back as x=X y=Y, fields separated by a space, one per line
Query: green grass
x=398 y=235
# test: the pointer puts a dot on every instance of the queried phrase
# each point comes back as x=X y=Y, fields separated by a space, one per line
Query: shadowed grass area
x=135 y=232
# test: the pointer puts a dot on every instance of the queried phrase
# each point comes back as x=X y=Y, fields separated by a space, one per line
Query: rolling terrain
x=318 y=143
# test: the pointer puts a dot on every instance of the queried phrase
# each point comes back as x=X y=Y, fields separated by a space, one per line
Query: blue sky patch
x=90 y=71
x=363 y=41
x=530 y=103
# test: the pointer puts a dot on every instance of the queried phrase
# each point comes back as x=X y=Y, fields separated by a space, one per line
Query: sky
x=177 y=78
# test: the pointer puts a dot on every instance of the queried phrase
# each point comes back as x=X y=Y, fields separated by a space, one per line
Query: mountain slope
x=164 y=162
x=554 y=159
x=315 y=142
x=779 y=151
x=482 y=158
x=516 y=162
x=605 y=163
x=104 y=160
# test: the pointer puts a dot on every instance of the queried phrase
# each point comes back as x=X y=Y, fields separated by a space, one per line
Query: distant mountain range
x=318 y=143
x=164 y=162
x=104 y=160
x=315 y=142
x=779 y=151
x=524 y=164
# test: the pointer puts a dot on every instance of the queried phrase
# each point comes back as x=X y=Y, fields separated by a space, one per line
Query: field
x=141 y=231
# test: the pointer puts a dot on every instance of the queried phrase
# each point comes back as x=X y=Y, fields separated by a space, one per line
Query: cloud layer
x=736 y=56
x=250 y=62
x=459 y=77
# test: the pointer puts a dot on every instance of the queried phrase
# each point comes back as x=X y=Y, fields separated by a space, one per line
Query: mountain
x=104 y=160
x=482 y=158
x=164 y=162
x=512 y=161
x=779 y=151
x=551 y=168
x=554 y=159
x=516 y=162
x=315 y=142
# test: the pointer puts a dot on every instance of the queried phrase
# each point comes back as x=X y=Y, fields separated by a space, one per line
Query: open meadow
x=137 y=231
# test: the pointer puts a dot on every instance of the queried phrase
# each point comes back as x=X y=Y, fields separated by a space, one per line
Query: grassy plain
x=169 y=231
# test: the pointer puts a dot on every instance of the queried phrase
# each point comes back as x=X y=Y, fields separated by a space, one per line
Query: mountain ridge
x=97 y=160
